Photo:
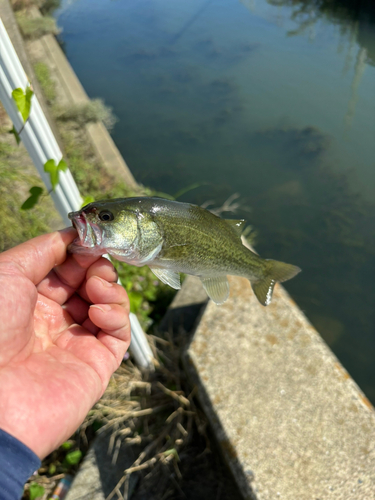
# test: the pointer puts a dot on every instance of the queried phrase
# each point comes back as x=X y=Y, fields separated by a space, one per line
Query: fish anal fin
x=236 y=224
x=217 y=288
x=167 y=276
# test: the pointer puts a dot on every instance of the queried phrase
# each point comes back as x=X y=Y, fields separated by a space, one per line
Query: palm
x=57 y=353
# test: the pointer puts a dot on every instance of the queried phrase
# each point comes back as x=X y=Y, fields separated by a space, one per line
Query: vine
x=22 y=99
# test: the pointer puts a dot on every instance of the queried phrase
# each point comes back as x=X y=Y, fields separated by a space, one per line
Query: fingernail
x=115 y=273
x=103 y=307
x=105 y=283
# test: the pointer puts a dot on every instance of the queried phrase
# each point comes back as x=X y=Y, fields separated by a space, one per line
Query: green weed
x=93 y=111
x=17 y=225
x=45 y=6
x=43 y=75
x=148 y=296
x=38 y=27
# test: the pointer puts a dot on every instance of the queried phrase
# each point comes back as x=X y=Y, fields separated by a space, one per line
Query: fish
x=172 y=237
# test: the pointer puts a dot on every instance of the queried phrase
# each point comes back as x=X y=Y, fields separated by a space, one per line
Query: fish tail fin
x=274 y=271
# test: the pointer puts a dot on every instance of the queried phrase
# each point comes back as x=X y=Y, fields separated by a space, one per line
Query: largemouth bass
x=172 y=238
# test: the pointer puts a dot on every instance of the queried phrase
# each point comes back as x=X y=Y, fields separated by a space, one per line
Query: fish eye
x=106 y=215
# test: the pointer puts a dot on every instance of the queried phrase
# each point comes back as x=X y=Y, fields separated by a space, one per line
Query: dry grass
x=157 y=403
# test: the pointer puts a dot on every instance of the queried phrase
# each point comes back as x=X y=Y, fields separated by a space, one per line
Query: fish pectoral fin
x=216 y=288
x=167 y=276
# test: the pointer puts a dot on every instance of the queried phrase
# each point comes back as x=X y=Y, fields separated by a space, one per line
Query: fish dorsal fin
x=216 y=288
x=237 y=225
x=167 y=276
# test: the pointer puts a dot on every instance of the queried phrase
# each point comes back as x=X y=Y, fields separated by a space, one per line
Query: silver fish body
x=171 y=238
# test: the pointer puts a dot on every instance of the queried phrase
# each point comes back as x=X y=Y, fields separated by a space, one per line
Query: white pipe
x=42 y=146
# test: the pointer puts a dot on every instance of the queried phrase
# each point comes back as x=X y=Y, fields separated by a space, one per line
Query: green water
x=273 y=100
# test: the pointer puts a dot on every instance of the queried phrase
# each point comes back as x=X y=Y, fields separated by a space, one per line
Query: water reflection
x=354 y=16
x=360 y=67
x=356 y=19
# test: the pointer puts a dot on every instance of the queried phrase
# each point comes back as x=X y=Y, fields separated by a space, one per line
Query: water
x=270 y=99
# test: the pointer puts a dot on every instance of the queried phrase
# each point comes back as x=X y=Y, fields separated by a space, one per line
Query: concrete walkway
x=291 y=422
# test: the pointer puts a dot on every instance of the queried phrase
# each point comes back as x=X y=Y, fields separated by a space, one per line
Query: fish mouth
x=89 y=234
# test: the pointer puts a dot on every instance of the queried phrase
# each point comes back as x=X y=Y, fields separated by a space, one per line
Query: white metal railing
x=41 y=145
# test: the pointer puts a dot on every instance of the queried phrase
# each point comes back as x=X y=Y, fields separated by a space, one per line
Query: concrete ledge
x=99 y=473
x=291 y=422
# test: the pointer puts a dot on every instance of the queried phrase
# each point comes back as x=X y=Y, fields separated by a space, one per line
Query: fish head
x=118 y=227
x=102 y=226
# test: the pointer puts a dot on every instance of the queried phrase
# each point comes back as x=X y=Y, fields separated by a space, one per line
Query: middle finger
x=98 y=291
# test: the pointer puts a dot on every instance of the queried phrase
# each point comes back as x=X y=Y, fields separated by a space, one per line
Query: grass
x=93 y=111
x=90 y=175
x=17 y=225
x=46 y=6
x=38 y=27
x=43 y=75
x=149 y=298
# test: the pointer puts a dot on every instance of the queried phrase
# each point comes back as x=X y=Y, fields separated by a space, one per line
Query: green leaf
x=86 y=200
x=51 y=168
x=74 y=457
x=36 y=491
x=23 y=101
x=52 y=469
x=16 y=135
x=19 y=98
x=29 y=95
x=32 y=200
x=135 y=300
x=62 y=165
x=67 y=445
x=173 y=452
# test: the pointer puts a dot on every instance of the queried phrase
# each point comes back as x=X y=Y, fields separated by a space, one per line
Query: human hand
x=57 y=349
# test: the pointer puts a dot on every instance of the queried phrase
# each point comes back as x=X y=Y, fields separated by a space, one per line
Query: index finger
x=35 y=258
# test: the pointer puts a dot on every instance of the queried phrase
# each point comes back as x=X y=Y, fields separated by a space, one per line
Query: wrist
x=17 y=463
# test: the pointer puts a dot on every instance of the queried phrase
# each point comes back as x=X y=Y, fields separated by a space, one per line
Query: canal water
x=272 y=100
